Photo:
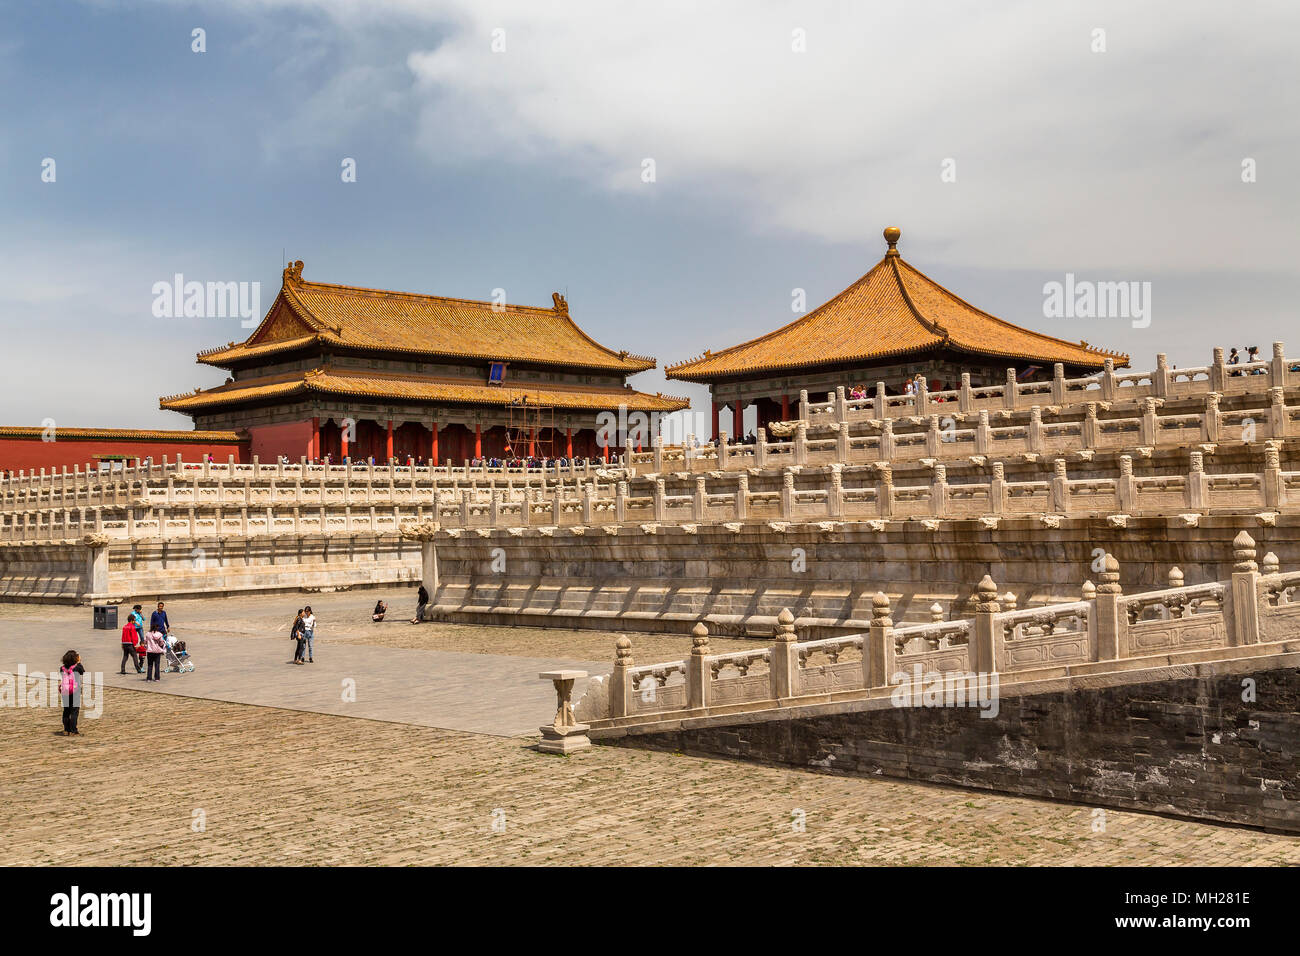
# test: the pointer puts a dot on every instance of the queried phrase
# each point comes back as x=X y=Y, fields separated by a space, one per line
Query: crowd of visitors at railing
x=1252 y=355
x=913 y=385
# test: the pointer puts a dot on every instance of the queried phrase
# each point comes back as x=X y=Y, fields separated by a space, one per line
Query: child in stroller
x=178 y=660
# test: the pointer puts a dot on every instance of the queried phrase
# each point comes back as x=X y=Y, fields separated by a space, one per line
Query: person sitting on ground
x=380 y=610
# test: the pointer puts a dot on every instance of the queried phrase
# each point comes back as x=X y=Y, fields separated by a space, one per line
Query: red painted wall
x=30 y=454
x=269 y=442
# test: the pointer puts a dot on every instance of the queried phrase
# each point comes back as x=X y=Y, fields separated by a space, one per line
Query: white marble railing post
x=964 y=400
x=1218 y=372
x=1160 y=377
x=939 y=491
x=878 y=650
x=1278 y=419
x=1058 y=384
x=1148 y=429
x=698 y=673
x=1035 y=430
x=1060 y=487
x=742 y=497
x=1197 y=484
x=835 y=495
x=1274 y=485
x=885 y=448
x=879 y=411
x=1108 y=611
x=986 y=652
x=1244 y=611
x=760 y=448
x=620 y=680
x=787 y=494
x=1010 y=391
x=1277 y=367
x=803 y=404
x=801 y=443
x=1212 y=419
x=784 y=664
x=885 y=491
x=700 y=502
x=998 y=489
x=1125 y=485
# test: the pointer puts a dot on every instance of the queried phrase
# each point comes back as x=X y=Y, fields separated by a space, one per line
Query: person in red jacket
x=129 y=634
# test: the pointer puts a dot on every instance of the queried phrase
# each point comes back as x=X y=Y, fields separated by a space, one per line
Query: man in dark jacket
x=158 y=621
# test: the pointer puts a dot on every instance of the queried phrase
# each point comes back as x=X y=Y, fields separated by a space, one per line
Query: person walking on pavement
x=308 y=631
x=129 y=637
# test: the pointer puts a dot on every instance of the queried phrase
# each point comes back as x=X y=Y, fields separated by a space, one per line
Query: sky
x=676 y=169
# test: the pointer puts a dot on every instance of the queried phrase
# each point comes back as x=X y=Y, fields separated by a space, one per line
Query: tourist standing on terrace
x=308 y=631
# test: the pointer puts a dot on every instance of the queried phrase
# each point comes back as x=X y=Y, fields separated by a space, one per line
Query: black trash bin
x=105 y=617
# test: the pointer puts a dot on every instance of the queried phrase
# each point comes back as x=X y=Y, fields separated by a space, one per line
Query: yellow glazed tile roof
x=119 y=434
x=425 y=325
x=362 y=384
x=893 y=310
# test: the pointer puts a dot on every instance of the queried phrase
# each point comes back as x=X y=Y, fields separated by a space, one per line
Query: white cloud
x=1065 y=157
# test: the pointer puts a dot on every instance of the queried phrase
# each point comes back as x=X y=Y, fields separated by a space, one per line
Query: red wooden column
x=388 y=454
x=433 y=454
x=785 y=408
x=343 y=442
x=739 y=424
x=478 y=440
x=716 y=409
x=604 y=452
x=314 y=450
x=532 y=442
x=568 y=443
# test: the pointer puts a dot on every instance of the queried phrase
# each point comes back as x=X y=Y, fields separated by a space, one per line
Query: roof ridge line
x=933 y=326
x=993 y=318
x=807 y=316
x=425 y=295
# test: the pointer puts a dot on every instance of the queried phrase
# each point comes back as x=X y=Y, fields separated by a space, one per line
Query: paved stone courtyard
x=275 y=785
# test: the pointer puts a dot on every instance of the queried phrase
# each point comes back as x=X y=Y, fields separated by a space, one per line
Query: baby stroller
x=178 y=660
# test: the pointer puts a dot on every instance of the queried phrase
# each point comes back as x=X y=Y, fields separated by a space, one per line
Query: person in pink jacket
x=154 y=645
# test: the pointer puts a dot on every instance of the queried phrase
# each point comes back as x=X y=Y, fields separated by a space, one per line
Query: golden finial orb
x=892 y=234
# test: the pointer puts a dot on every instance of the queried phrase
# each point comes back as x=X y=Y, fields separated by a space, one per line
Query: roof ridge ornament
x=892 y=234
x=561 y=303
x=293 y=272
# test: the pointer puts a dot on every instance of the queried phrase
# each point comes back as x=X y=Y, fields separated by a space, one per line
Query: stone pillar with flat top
x=565 y=735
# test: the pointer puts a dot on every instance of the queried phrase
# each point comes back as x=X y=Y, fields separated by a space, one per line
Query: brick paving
x=279 y=786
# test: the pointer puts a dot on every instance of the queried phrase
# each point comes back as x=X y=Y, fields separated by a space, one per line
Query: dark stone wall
x=1189 y=747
